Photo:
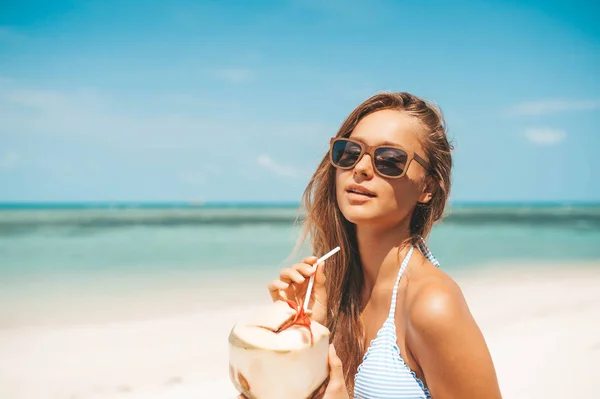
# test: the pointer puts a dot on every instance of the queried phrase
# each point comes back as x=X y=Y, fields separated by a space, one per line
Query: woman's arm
x=449 y=346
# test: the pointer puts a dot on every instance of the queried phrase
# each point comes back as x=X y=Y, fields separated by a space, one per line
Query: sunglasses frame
x=367 y=149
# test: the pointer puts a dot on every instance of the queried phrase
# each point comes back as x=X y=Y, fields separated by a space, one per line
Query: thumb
x=320 y=274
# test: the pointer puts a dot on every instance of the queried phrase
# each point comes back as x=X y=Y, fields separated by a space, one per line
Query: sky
x=235 y=101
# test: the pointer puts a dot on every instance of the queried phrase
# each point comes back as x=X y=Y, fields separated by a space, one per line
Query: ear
x=427 y=190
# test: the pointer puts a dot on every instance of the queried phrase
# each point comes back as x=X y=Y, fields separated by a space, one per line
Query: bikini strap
x=422 y=246
x=426 y=252
x=395 y=292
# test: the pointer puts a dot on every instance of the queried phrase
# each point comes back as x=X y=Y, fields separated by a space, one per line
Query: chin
x=360 y=214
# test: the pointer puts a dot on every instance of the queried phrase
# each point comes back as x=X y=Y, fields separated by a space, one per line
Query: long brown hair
x=325 y=226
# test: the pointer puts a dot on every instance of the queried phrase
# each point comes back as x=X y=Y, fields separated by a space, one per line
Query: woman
x=400 y=327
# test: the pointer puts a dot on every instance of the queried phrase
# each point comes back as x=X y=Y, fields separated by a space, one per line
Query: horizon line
x=250 y=204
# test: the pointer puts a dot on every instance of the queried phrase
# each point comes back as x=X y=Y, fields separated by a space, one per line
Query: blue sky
x=236 y=101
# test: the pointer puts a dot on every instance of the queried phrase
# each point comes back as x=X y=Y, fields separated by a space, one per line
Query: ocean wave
x=19 y=221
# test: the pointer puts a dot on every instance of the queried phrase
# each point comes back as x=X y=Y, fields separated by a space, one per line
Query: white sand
x=542 y=326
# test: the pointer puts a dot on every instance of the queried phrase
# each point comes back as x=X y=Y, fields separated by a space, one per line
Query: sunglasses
x=389 y=161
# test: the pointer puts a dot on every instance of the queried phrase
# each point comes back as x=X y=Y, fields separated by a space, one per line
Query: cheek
x=340 y=176
x=406 y=193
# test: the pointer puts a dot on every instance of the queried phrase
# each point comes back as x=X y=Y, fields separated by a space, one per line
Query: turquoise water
x=40 y=243
x=98 y=262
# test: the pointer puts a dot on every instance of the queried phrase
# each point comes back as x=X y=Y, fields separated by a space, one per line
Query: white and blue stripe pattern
x=426 y=252
x=383 y=373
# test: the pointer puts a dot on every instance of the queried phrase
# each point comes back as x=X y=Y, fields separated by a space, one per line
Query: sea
x=49 y=248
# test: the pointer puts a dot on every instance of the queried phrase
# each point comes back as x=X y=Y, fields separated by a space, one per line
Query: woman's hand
x=336 y=388
x=293 y=282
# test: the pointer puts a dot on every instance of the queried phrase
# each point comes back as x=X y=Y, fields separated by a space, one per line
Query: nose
x=364 y=167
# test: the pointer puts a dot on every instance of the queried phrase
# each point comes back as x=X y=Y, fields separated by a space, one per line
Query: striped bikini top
x=383 y=373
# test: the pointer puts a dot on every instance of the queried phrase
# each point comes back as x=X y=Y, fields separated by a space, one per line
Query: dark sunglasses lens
x=345 y=153
x=390 y=161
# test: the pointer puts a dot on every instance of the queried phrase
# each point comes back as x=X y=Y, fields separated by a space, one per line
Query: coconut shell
x=265 y=363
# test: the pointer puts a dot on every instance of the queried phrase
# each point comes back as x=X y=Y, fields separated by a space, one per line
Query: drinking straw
x=312 y=278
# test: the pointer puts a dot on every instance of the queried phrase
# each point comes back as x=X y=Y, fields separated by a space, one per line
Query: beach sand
x=541 y=322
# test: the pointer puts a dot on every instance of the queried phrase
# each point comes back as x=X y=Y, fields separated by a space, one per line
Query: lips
x=360 y=190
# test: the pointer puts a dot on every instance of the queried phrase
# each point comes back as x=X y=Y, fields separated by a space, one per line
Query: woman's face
x=390 y=200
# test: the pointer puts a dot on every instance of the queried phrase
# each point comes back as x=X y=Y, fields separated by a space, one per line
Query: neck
x=381 y=252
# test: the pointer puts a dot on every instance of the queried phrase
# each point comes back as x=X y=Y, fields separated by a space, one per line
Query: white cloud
x=234 y=75
x=277 y=168
x=549 y=106
x=42 y=98
x=90 y=114
x=105 y=120
x=9 y=160
x=544 y=135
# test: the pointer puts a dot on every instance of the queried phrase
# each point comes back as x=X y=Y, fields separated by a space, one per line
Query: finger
x=305 y=269
x=320 y=277
x=277 y=289
x=277 y=285
x=336 y=371
x=290 y=275
x=310 y=260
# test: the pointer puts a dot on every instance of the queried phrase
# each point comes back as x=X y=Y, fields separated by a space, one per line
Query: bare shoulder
x=446 y=341
x=435 y=301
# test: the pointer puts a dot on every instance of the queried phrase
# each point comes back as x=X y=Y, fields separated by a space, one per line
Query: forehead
x=389 y=126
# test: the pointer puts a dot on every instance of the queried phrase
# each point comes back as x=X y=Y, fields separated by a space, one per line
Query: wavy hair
x=325 y=227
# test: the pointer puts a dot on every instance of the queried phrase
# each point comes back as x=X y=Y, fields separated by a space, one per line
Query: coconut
x=274 y=354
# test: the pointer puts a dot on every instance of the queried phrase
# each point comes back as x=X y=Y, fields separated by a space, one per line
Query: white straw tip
x=312 y=278
x=327 y=255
